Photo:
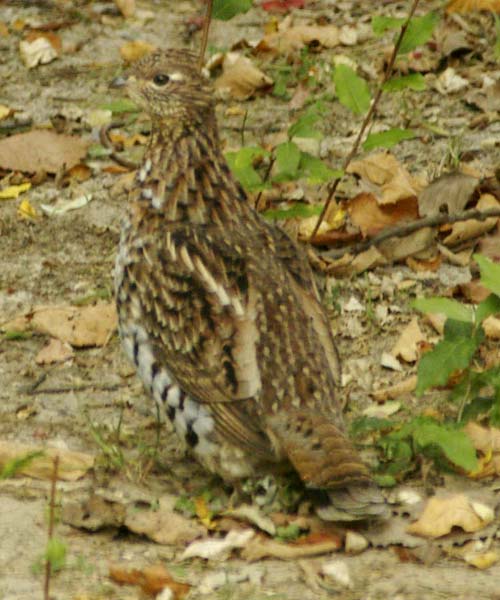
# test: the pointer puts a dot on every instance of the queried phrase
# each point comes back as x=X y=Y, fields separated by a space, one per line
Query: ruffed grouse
x=218 y=309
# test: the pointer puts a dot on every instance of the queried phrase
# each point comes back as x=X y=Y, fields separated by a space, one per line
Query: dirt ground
x=62 y=259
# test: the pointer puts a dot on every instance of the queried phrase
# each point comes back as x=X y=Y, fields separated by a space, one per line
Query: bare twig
x=204 y=33
x=272 y=160
x=407 y=228
x=367 y=119
x=107 y=143
x=71 y=388
x=52 y=508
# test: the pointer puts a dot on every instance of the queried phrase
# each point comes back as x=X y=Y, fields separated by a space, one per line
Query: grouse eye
x=161 y=79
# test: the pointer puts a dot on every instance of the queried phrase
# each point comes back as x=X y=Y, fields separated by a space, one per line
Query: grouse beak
x=122 y=81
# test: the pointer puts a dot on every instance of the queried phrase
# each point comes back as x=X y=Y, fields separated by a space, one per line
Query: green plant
x=458 y=351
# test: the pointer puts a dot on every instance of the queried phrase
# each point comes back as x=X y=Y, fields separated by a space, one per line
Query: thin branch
x=367 y=119
x=107 y=143
x=71 y=388
x=52 y=509
x=204 y=34
x=407 y=228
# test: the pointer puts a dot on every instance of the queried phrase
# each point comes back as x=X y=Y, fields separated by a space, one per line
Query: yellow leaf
x=465 y=6
x=26 y=210
x=13 y=191
x=203 y=512
x=4 y=111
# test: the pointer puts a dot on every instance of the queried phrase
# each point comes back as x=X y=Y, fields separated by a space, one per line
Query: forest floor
x=79 y=403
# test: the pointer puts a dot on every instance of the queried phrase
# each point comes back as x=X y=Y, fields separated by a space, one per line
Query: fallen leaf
x=450 y=82
x=338 y=571
x=282 y=6
x=163 y=524
x=132 y=51
x=404 y=387
x=152 y=580
x=80 y=326
x=13 y=191
x=55 y=351
x=66 y=205
x=38 y=52
x=253 y=515
x=41 y=150
x=465 y=6
x=240 y=78
x=397 y=249
x=218 y=548
x=72 y=465
x=371 y=218
x=466 y=230
x=261 y=547
x=26 y=210
x=407 y=345
x=450 y=192
x=393 y=181
x=441 y=514
x=126 y=7
x=291 y=39
x=5 y=112
x=487 y=441
x=93 y=514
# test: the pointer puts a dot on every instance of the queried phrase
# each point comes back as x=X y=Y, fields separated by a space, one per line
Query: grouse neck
x=185 y=175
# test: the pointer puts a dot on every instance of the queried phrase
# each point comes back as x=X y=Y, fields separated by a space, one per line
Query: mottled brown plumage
x=218 y=309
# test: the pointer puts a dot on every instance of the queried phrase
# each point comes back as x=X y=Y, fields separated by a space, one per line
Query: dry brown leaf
x=441 y=514
x=38 y=51
x=491 y=327
x=261 y=547
x=466 y=230
x=163 y=525
x=465 y=6
x=93 y=514
x=424 y=265
x=152 y=580
x=79 y=326
x=396 y=249
x=294 y=38
x=395 y=391
x=240 y=77
x=408 y=342
x=55 y=351
x=386 y=172
x=126 y=7
x=371 y=218
x=41 y=150
x=72 y=465
x=451 y=191
x=132 y=51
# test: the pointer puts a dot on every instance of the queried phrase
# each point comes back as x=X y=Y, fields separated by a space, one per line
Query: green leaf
x=287 y=161
x=14 y=335
x=419 y=31
x=316 y=170
x=299 y=210
x=241 y=164
x=490 y=273
x=363 y=425
x=227 y=9
x=121 y=105
x=387 y=139
x=451 y=308
x=288 y=532
x=490 y=306
x=385 y=481
x=55 y=554
x=98 y=151
x=414 y=81
x=304 y=126
x=382 y=24
x=436 y=366
x=12 y=467
x=455 y=444
x=352 y=90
